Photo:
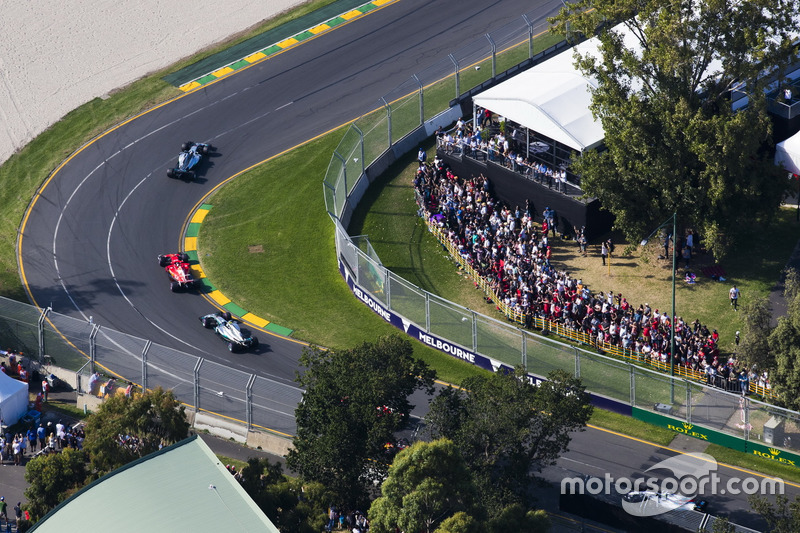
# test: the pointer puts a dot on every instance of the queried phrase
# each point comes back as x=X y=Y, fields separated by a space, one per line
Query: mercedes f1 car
x=191 y=155
x=230 y=331
x=179 y=271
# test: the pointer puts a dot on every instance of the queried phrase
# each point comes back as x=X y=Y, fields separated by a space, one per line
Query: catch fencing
x=376 y=140
x=203 y=385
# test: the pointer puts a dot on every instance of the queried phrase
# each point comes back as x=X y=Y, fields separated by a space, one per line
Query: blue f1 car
x=191 y=155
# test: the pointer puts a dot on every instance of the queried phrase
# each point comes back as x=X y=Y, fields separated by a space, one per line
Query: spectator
x=504 y=247
x=734 y=294
x=94 y=381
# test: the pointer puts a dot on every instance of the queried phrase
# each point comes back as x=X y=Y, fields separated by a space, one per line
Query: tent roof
x=9 y=386
x=551 y=98
x=788 y=153
x=181 y=488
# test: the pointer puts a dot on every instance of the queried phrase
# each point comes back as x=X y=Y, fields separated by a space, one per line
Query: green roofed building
x=183 y=487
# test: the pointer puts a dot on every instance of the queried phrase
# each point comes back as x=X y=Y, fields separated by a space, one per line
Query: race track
x=89 y=242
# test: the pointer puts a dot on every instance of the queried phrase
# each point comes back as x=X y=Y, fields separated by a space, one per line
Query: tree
x=52 y=478
x=756 y=329
x=354 y=401
x=507 y=429
x=428 y=483
x=124 y=428
x=516 y=518
x=663 y=95
x=291 y=504
x=782 y=517
x=460 y=522
x=784 y=343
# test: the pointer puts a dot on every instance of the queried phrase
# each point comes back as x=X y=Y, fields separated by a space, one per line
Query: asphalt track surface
x=90 y=241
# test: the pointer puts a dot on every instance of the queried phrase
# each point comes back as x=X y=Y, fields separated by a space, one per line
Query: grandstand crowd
x=512 y=254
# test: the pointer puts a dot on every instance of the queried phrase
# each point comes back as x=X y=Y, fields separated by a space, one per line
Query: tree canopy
x=293 y=505
x=782 y=516
x=784 y=346
x=354 y=402
x=508 y=429
x=428 y=483
x=52 y=479
x=124 y=429
x=673 y=143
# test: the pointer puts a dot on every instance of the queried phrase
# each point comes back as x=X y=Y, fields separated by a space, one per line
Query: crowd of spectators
x=512 y=254
x=352 y=521
x=483 y=143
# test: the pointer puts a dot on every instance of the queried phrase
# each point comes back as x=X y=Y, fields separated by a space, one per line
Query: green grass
x=303 y=290
x=631 y=427
x=750 y=462
x=24 y=172
x=233 y=462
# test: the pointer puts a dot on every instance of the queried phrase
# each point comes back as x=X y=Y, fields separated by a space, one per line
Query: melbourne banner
x=455 y=350
x=438 y=343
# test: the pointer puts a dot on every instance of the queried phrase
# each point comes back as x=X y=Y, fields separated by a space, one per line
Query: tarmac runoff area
x=56 y=56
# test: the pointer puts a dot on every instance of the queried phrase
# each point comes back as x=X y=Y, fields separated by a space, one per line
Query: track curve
x=89 y=240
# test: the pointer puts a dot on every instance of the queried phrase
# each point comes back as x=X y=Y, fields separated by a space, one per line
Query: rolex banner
x=754 y=448
x=690 y=430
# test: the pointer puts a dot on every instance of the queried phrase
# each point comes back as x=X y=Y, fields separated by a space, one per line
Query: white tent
x=788 y=153
x=553 y=97
x=13 y=399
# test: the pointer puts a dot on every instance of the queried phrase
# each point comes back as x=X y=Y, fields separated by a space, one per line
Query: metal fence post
x=144 y=365
x=530 y=35
x=427 y=312
x=197 y=383
x=40 y=326
x=524 y=350
x=387 y=287
x=493 y=46
x=746 y=405
x=344 y=173
x=249 y=396
x=577 y=363
x=361 y=138
x=688 y=403
x=456 y=74
x=633 y=385
x=474 y=331
x=388 y=118
x=93 y=345
x=421 y=102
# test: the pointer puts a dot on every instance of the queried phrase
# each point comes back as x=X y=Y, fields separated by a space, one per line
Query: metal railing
x=54 y=339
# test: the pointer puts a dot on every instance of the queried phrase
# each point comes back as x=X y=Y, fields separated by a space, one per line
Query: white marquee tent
x=788 y=153
x=552 y=98
x=13 y=399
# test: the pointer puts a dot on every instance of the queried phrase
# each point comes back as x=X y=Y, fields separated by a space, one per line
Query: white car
x=651 y=503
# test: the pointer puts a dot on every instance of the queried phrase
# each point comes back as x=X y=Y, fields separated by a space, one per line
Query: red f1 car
x=178 y=269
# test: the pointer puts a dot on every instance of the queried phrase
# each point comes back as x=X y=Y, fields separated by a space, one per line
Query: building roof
x=183 y=487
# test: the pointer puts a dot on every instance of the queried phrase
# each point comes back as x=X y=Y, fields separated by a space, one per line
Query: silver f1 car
x=191 y=155
x=229 y=330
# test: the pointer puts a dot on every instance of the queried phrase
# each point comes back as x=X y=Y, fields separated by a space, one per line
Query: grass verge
x=626 y=425
x=744 y=460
